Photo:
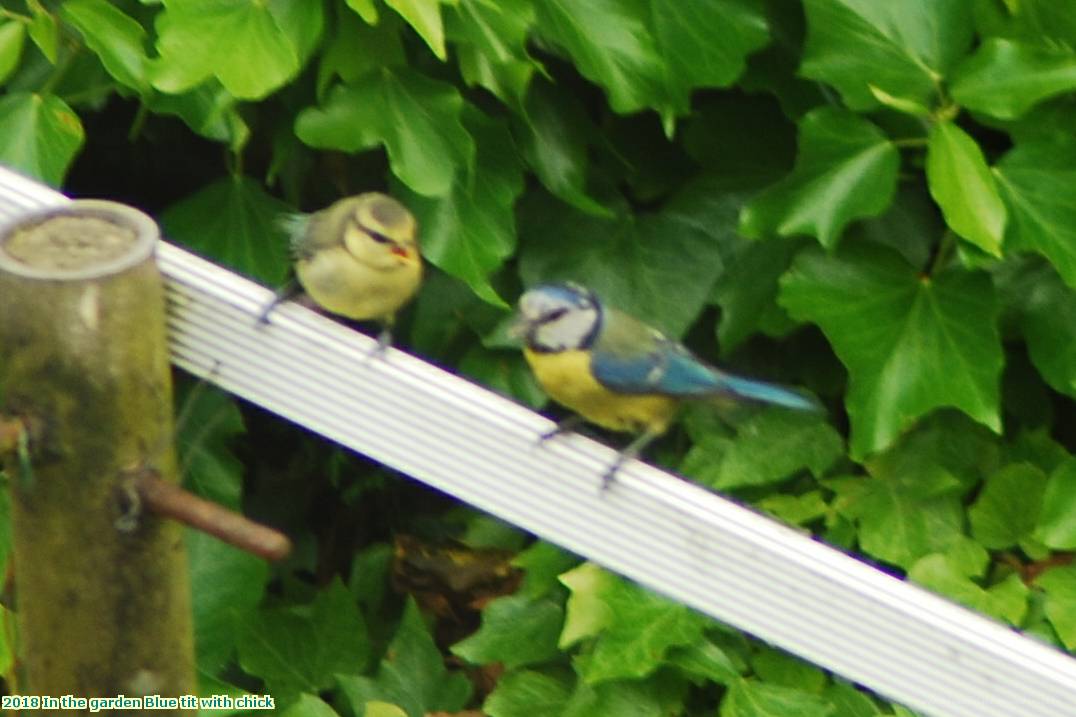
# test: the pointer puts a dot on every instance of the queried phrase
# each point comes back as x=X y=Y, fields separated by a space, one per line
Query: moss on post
x=101 y=586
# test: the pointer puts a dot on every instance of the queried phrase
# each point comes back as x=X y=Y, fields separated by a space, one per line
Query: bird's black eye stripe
x=555 y=314
x=378 y=237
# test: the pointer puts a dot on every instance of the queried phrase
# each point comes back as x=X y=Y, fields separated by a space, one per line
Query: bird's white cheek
x=567 y=332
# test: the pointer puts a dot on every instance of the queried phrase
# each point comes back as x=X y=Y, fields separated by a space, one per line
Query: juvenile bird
x=358 y=258
x=613 y=370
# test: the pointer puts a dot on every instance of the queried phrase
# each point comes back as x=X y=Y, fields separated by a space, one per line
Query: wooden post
x=102 y=592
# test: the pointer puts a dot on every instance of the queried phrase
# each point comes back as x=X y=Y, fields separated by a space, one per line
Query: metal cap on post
x=101 y=584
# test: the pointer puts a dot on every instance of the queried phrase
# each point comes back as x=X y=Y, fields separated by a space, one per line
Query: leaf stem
x=138 y=122
x=942 y=253
x=915 y=142
x=68 y=53
x=234 y=162
x=12 y=15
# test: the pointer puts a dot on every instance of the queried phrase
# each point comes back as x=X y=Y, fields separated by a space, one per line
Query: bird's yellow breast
x=567 y=378
x=346 y=287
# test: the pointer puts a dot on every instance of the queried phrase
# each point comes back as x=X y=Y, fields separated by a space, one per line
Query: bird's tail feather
x=769 y=393
x=294 y=226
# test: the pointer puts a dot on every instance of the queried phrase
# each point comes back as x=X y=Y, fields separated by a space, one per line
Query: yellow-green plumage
x=359 y=257
x=566 y=377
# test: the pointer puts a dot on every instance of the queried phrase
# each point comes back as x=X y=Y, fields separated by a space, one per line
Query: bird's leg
x=565 y=425
x=288 y=290
x=632 y=450
x=384 y=337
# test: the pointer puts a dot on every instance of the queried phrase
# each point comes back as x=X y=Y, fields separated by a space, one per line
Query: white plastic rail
x=674 y=537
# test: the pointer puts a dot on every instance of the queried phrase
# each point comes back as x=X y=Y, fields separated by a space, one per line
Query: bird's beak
x=403 y=252
x=518 y=328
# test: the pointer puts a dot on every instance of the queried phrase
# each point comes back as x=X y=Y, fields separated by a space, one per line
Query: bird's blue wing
x=665 y=368
x=670 y=369
x=629 y=357
x=625 y=373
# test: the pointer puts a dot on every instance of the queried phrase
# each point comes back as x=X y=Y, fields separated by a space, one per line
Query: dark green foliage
x=873 y=200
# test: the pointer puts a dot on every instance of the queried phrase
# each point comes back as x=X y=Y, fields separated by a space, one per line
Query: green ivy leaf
x=899 y=526
x=632 y=261
x=472 y=230
x=412 y=674
x=234 y=221
x=1057 y=522
x=795 y=509
x=226 y=586
x=308 y=705
x=1008 y=600
x=587 y=614
x=1028 y=19
x=425 y=17
x=446 y=315
x=302 y=22
x=1059 y=585
x=366 y=9
x=543 y=563
x=114 y=37
x=1005 y=78
x=634 y=627
x=848 y=701
x=299 y=650
x=911 y=225
x=1036 y=446
x=747 y=291
x=846 y=170
x=903 y=515
x=1037 y=181
x=417 y=119
x=715 y=57
x=208 y=423
x=375 y=708
x=911 y=343
x=1048 y=321
x=945 y=451
x=209 y=110
x=39 y=135
x=356 y=49
x=516 y=630
x=44 y=30
x=12 y=38
x=901 y=48
x=780 y=668
x=705 y=659
x=506 y=372
x=1007 y=509
x=553 y=138
x=491 y=43
x=243 y=45
x=528 y=693
x=751 y=698
x=770 y=446
x=713 y=136
x=658 y=695
x=611 y=44
x=911 y=504
x=963 y=187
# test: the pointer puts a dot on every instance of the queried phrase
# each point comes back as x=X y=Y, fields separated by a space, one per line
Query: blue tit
x=615 y=371
x=358 y=258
